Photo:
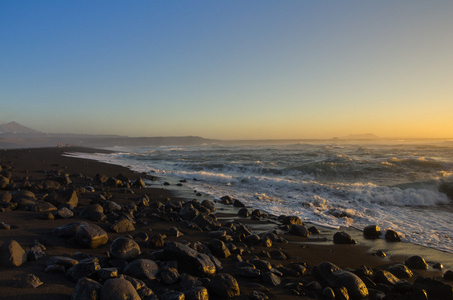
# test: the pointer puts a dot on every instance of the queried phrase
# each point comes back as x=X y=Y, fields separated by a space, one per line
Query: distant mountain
x=366 y=136
x=16 y=128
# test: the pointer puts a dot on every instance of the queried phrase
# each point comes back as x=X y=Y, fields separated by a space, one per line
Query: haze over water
x=228 y=69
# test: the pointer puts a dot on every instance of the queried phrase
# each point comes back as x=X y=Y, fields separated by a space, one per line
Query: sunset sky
x=228 y=69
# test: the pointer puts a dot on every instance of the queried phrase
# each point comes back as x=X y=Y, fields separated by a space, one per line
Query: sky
x=236 y=69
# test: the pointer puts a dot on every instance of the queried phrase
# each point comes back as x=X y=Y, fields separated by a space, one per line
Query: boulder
x=249 y=271
x=12 y=254
x=5 y=197
x=3 y=182
x=416 y=262
x=50 y=185
x=401 y=271
x=188 y=212
x=270 y=279
x=196 y=293
x=206 y=222
x=169 y=275
x=291 y=220
x=91 y=236
x=392 y=236
x=142 y=269
x=299 y=230
x=337 y=279
x=123 y=225
x=223 y=285
x=138 y=183
x=31 y=281
x=118 y=289
x=65 y=197
x=64 y=213
x=385 y=277
x=65 y=262
x=68 y=230
x=189 y=260
x=343 y=238
x=208 y=205
x=86 y=289
x=85 y=268
x=43 y=206
x=244 y=212
x=219 y=249
x=125 y=248
x=36 y=252
x=372 y=232
x=435 y=289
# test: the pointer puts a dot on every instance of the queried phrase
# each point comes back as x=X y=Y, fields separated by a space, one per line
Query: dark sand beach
x=29 y=169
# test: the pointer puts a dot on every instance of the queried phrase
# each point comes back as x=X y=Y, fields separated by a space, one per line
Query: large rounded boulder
x=119 y=289
x=142 y=269
x=91 y=236
x=125 y=248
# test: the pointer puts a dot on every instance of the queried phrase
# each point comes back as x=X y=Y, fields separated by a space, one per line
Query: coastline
x=34 y=165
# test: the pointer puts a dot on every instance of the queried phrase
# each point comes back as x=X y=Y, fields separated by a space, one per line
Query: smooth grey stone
x=118 y=289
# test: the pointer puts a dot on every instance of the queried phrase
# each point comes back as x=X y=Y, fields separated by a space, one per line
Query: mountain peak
x=14 y=127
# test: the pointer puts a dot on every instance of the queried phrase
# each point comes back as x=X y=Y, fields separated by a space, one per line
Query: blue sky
x=228 y=69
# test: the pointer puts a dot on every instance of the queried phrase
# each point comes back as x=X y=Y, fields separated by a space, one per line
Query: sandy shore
x=34 y=166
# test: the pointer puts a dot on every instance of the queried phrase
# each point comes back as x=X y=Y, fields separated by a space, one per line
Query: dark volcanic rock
x=223 y=285
x=12 y=254
x=219 y=249
x=43 y=206
x=91 y=236
x=138 y=183
x=31 y=281
x=36 y=252
x=244 y=212
x=66 y=197
x=299 y=230
x=208 y=204
x=142 y=269
x=125 y=248
x=392 y=236
x=270 y=279
x=188 y=212
x=196 y=293
x=291 y=220
x=416 y=262
x=343 y=238
x=206 y=222
x=372 y=232
x=64 y=213
x=169 y=275
x=385 y=277
x=337 y=278
x=118 y=289
x=86 y=289
x=448 y=275
x=68 y=230
x=64 y=261
x=85 y=268
x=189 y=260
x=401 y=271
x=123 y=225
x=434 y=288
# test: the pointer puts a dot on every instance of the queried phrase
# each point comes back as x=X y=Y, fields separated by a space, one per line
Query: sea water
x=406 y=187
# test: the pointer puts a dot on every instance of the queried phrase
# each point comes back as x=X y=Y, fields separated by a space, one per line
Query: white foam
x=413 y=212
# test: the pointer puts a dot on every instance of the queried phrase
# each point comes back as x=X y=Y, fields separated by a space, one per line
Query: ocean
x=407 y=187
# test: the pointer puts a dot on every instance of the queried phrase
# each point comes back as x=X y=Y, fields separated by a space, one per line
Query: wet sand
x=34 y=166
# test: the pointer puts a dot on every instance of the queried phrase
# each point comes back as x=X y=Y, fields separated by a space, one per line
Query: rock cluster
x=132 y=263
